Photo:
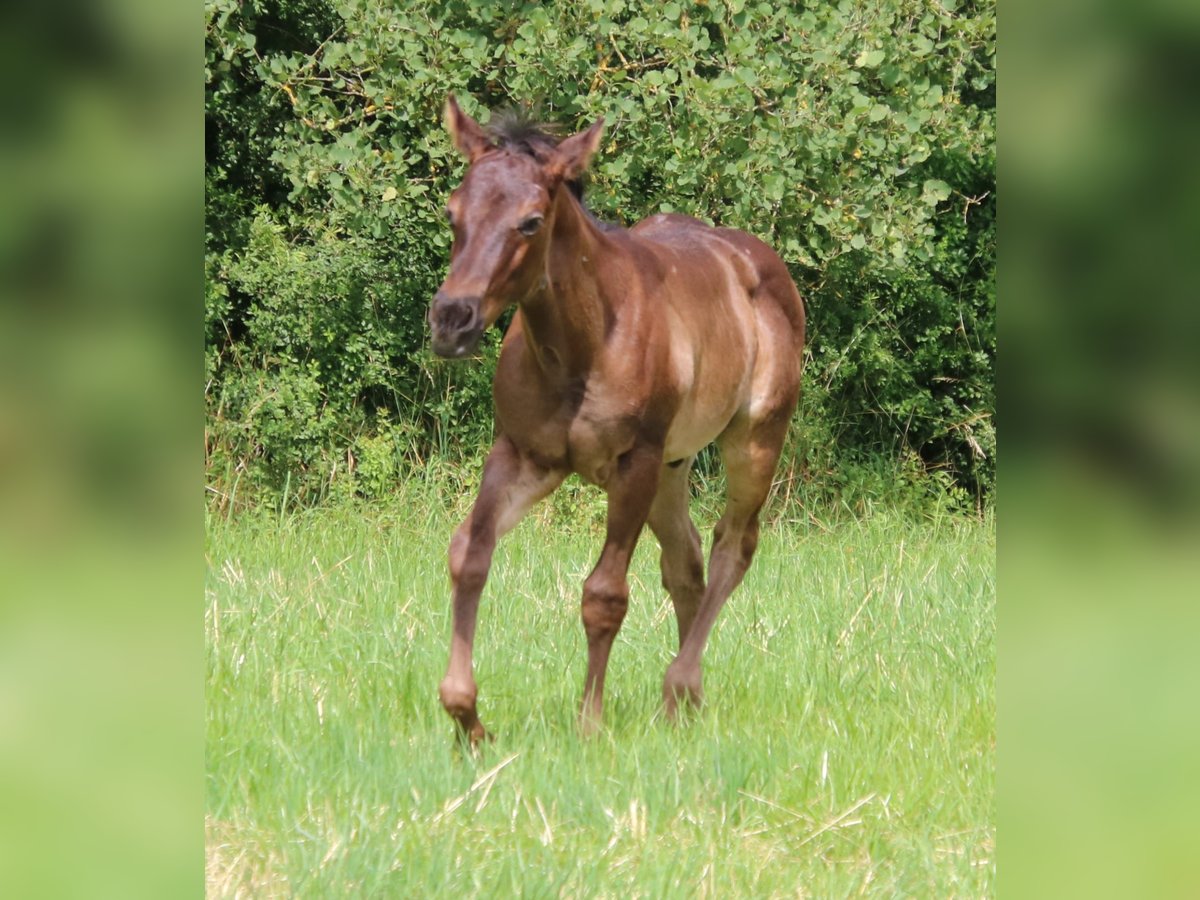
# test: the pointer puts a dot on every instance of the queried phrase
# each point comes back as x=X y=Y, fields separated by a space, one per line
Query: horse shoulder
x=536 y=416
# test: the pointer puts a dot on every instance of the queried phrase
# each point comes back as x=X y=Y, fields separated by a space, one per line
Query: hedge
x=857 y=139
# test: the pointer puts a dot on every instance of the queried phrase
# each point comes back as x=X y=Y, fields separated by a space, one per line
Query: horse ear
x=465 y=132
x=574 y=153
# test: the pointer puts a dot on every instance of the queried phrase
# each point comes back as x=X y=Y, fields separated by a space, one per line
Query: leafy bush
x=856 y=139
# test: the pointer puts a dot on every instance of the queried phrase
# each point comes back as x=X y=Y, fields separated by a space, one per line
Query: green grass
x=847 y=744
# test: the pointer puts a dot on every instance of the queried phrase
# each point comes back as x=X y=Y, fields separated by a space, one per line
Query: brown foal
x=630 y=350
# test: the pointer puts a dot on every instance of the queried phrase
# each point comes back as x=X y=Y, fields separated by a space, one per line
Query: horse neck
x=567 y=316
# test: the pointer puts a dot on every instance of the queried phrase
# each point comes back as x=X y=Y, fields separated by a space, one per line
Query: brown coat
x=629 y=352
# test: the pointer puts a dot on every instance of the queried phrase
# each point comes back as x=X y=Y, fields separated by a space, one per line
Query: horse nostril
x=455 y=316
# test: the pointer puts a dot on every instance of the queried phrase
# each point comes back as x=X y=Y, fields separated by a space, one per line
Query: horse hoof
x=590 y=725
x=471 y=740
x=480 y=735
x=681 y=688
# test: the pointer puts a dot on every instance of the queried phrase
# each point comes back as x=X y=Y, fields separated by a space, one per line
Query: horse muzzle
x=456 y=325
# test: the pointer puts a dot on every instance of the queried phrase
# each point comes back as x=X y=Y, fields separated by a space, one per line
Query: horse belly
x=697 y=425
x=715 y=384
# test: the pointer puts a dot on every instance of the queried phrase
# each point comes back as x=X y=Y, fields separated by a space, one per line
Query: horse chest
x=595 y=441
x=585 y=437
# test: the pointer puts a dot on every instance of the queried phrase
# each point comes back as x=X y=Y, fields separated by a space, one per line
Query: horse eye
x=530 y=226
x=449 y=215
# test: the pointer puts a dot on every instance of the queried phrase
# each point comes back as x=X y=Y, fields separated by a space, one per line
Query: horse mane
x=520 y=130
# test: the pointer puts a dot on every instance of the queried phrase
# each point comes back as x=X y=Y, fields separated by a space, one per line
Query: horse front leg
x=630 y=490
x=512 y=483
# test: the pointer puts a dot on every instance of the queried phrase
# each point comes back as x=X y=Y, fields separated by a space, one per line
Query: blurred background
x=1098 y=549
x=101 y=286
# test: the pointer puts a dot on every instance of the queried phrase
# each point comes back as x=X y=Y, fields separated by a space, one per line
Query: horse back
x=709 y=251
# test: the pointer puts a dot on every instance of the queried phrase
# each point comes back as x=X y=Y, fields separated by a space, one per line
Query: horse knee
x=605 y=601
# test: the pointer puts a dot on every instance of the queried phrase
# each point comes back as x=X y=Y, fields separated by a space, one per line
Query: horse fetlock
x=460 y=704
x=459 y=700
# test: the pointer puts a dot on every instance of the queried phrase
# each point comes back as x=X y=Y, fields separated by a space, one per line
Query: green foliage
x=856 y=139
x=911 y=372
x=329 y=353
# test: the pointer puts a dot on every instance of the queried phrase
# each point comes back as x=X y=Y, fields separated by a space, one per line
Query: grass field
x=847 y=744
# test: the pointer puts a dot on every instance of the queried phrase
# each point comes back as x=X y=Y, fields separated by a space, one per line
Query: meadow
x=846 y=745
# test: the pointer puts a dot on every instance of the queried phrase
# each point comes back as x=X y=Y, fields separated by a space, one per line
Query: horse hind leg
x=682 y=558
x=751 y=453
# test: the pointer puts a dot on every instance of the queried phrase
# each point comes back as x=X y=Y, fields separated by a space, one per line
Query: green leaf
x=869 y=59
x=935 y=191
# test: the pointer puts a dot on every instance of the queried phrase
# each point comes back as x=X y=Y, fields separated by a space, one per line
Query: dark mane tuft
x=520 y=130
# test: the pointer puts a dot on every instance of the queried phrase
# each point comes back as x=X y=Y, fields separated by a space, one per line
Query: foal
x=630 y=350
